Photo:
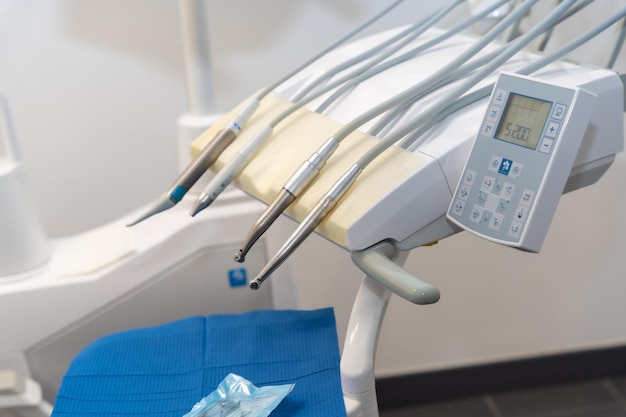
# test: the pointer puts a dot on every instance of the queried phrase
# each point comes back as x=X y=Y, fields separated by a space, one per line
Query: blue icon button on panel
x=505 y=166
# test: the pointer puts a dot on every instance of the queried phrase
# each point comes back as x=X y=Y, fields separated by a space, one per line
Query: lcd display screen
x=523 y=120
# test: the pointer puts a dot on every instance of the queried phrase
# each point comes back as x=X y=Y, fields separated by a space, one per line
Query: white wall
x=96 y=86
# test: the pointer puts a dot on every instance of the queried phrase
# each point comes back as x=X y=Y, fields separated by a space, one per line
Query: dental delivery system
x=358 y=190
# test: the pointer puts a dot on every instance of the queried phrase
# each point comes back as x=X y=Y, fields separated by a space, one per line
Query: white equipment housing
x=404 y=195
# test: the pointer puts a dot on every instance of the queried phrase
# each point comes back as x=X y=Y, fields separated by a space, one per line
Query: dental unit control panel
x=520 y=161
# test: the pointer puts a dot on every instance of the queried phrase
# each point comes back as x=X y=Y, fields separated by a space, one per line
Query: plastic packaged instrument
x=237 y=397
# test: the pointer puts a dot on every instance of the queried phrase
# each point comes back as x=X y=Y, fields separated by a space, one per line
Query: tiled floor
x=595 y=398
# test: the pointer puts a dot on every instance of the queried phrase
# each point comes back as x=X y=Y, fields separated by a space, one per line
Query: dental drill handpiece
x=202 y=162
x=232 y=168
x=321 y=210
x=295 y=185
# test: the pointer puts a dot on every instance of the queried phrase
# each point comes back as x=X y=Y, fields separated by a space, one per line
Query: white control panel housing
x=520 y=160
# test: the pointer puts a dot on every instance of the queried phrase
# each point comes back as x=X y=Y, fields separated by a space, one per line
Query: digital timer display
x=523 y=120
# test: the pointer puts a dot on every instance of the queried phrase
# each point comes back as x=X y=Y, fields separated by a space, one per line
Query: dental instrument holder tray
x=520 y=160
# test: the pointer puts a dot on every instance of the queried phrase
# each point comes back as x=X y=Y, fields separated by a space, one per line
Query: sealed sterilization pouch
x=237 y=397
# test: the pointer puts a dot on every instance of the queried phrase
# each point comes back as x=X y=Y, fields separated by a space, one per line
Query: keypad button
x=502 y=205
x=496 y=221
x=516 y=170
x=488 y=129
x=507 y=190
x=464 y=191
x=527 y=197
x=476 y=214
x=494 y=164
x=505 y=166
x=499 y=97
x=497 y=187
x=553 y=129
x=521 y=213
x=515 y=229
x=486 y=217
x=493 y=113
x=469 y=177
x=458 y=207
x=559 y=111
x=487 y=183
x=482 y=198
x=546 y=145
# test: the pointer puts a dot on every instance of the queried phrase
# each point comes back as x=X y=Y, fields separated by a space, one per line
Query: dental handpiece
x=295 y=185
x=209 y=154
x=230 y=171
x=321 y=210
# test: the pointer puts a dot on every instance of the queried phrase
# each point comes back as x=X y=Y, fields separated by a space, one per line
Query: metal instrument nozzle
x=164 y=202
x=308 y=225
x=203 y=201
x=275 y=209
